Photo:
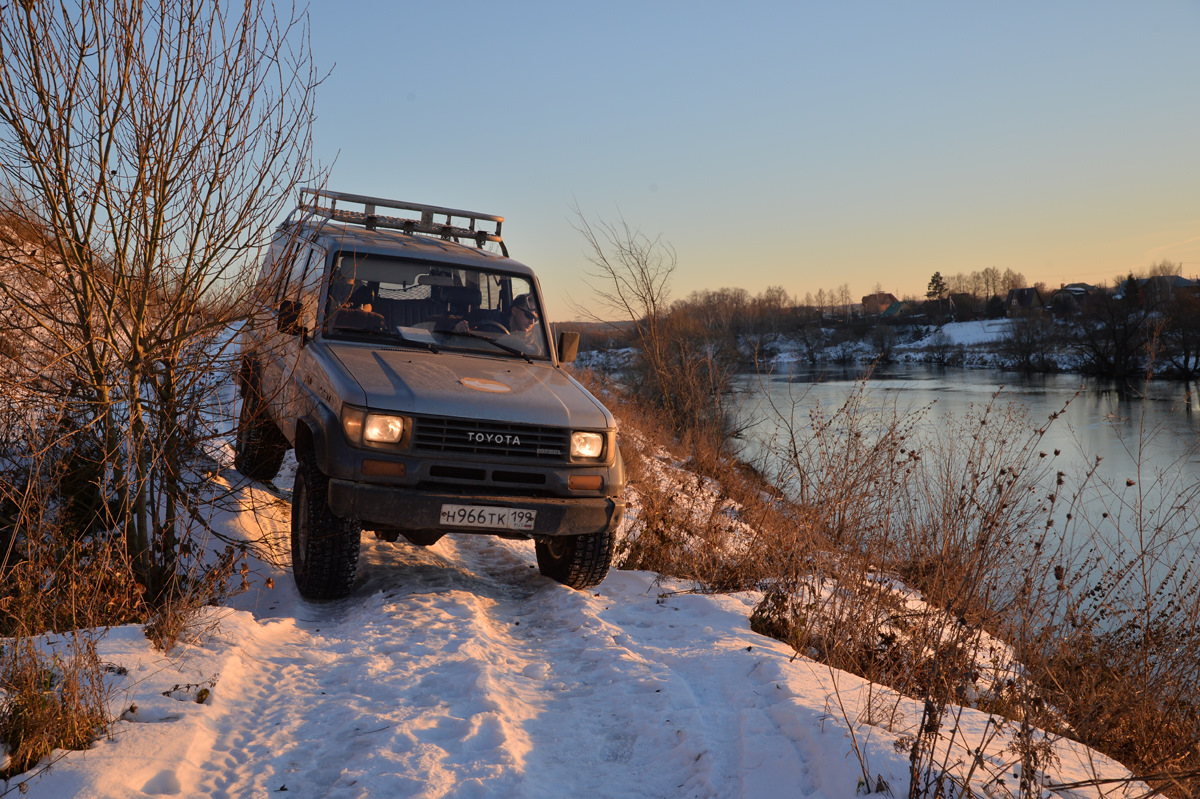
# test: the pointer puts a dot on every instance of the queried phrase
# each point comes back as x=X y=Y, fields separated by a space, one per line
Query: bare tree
x=1012 y=280
x=1165 y=268
x=823 y=301
x=772 y=307
x=845 y=300
x=991 y=281
x=685 y=368
x=632 y=277
x=153 y=145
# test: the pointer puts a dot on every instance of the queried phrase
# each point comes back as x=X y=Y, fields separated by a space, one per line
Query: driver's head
x=524 y=314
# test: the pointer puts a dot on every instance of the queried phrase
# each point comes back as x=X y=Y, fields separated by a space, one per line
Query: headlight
x=587 y=445
x=381 y=429
x=372 y=428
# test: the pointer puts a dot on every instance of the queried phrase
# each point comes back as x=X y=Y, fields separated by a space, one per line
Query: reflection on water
x=1144 y=496
x=1103 y=418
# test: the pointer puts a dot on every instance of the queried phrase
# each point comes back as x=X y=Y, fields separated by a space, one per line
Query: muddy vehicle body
x=413 y=372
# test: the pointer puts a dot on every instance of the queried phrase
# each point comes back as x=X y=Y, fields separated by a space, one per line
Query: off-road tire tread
x=583 y=564
x=333 y=543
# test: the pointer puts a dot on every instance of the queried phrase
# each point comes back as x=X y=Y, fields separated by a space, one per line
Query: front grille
x=472 y=437
x=524 y=478
x=457 y=472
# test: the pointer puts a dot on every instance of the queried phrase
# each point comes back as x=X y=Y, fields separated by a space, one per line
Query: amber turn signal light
x=585 y=482
x=374 y=468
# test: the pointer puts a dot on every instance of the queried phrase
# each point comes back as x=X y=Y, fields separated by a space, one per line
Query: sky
x=794 y=144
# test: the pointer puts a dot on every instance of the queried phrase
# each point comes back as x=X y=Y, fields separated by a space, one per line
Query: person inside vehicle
x=356 y=313
x=523 y=330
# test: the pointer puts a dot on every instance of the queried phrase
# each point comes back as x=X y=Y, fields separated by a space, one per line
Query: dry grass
x=63 y=571
x=694 y=511
x=958 y=567
x=50 y=701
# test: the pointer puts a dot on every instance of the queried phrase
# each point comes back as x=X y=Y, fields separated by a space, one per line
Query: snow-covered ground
x=458 y=671
x=975 y=344
x=968 y=334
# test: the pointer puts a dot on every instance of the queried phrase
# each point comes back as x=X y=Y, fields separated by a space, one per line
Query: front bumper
x=409 y=509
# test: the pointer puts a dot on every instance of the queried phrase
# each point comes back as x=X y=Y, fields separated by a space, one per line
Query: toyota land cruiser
x=414 y=374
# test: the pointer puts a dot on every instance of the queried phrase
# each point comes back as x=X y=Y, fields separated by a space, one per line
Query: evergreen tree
x=937 y=287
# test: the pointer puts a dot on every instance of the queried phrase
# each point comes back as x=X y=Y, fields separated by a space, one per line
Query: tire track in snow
x=606 y=660
x=458 y=671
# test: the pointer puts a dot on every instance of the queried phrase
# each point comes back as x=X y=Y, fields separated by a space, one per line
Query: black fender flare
x=314 y=430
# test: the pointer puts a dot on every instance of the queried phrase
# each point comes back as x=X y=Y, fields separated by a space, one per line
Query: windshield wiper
x=351 y=332
x=489 y=340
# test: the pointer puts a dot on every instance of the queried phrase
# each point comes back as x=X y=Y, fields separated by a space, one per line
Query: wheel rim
x=558 y=548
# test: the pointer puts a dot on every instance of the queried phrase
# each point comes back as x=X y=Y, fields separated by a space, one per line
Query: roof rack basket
x=311 y=204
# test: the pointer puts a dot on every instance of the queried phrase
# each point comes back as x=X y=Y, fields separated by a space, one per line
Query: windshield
x=450 y=307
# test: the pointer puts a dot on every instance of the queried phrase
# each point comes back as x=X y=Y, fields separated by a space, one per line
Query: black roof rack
x=422 y=218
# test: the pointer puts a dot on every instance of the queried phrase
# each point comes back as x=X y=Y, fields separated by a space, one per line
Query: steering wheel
x=493 y=326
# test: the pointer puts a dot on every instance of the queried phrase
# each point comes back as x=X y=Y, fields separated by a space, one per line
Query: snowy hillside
x=459 y=671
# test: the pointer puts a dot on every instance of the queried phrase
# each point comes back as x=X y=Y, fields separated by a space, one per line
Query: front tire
x=324 y=547
x=259 y=447
x=576 y=561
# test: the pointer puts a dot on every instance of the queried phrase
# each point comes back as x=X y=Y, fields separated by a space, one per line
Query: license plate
x=487 y=516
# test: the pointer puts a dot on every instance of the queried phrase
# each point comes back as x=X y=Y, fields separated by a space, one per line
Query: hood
x=506 y=390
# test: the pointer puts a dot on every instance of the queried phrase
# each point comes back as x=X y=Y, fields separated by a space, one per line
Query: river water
x=1146 y=433
x=1103 y=418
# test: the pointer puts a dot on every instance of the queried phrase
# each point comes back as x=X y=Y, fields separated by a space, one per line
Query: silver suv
x=414 y=375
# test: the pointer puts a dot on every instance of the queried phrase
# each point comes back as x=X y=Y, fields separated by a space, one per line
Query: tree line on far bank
x=1145 y=322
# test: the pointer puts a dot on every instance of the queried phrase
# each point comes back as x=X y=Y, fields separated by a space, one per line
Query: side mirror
x=289 y=318
x=568 y=346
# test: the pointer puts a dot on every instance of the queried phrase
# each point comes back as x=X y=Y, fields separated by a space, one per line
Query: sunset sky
x=805 y=145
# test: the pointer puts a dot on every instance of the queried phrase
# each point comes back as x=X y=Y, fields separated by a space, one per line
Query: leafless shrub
x=55 y=572
x=695 y=514
x=146 y=176
x=683 y=368
x=1101 y=615
x=960 y=565
x=145 y=151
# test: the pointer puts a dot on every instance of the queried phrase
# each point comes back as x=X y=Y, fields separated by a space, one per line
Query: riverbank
x=1029 y=345
x=975 y=526
x=970 y=344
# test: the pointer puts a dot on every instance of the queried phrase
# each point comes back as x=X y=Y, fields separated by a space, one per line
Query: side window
x=310 y=284
x=286 y=257
x=299 y=264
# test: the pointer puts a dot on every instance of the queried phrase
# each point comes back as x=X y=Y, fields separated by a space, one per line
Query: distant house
x=1073 y=298
x=1161 y=289
x=877 y=303
x=1024 y=302
x=1189 y=293
x=894 y=310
